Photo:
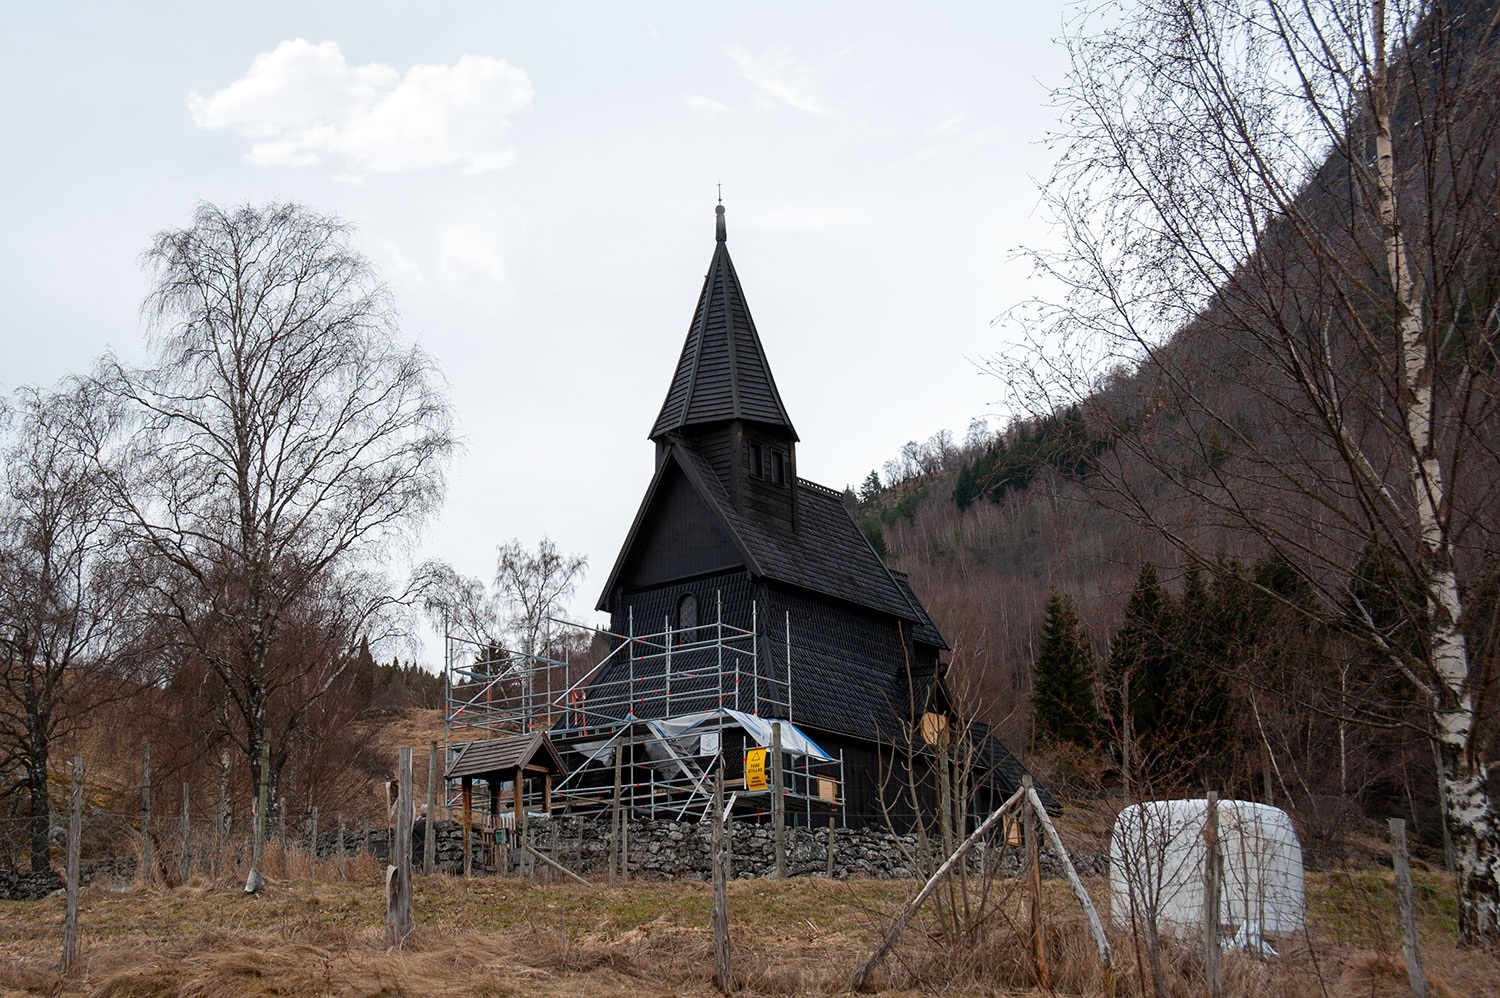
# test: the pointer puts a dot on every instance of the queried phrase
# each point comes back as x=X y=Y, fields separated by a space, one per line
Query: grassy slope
x=502 y=936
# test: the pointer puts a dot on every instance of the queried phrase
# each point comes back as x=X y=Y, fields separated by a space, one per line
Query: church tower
x=723 y=400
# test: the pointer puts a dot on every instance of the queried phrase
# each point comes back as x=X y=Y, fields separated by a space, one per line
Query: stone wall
x=668 y=850
x=680 y=850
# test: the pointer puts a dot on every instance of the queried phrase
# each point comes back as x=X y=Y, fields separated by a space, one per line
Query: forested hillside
x=1254 y=500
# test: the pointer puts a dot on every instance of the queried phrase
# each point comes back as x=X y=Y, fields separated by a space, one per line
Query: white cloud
x=470 y=254
x=706 y=106
x=781 y=76
x=301 y=104
x=396 y=266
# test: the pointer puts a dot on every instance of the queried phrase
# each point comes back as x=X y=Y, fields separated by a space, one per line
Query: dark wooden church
x=728 y=528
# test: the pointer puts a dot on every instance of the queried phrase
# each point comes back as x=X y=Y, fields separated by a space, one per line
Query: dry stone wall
x=667 y=850
x=679 y=850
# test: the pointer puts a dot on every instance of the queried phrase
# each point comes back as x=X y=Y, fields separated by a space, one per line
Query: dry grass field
x=311 y=934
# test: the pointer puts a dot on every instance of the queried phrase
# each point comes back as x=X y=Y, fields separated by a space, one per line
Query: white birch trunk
x=1470 y=815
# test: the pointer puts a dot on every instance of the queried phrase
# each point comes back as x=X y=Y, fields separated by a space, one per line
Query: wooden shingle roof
x=826 y=554
x=722 y=373
x=501 y=757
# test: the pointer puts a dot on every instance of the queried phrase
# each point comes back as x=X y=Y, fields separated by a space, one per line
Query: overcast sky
x=536 y=182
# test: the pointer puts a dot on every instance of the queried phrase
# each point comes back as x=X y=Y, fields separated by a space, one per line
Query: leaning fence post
x=398 y=873
x=1407 y=899
x=75 y=833
x=1101 y=941
x=861 y=978
x=1211 y=966
x=778 y=802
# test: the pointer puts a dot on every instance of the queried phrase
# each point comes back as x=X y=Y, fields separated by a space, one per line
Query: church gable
x=677 y=535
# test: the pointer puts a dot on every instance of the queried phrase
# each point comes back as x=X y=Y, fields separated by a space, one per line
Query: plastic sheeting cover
x=685 y=730
x=1156 y=860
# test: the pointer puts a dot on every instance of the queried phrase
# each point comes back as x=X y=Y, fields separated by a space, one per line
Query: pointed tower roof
x=723 y=373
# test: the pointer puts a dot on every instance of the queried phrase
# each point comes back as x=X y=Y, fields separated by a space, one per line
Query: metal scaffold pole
x=789 y=667
x=672 y=699
x=755 y=658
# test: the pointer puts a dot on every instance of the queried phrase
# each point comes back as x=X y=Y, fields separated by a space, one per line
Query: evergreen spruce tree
x=1062 y=698
x=1143 y=666
x=1198 y=700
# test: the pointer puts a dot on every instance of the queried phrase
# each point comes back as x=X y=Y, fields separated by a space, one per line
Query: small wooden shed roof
x=499 y=758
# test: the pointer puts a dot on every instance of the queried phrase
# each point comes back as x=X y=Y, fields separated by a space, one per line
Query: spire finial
x=719 y=223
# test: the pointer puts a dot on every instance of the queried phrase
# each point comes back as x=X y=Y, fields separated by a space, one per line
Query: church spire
x=722 y=374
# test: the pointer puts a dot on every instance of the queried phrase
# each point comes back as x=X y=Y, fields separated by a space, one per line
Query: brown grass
x=315 y=935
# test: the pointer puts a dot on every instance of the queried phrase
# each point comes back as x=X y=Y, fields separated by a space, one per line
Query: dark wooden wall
x=682 y=538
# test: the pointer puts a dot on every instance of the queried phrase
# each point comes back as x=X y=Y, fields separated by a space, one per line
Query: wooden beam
x=861 y=978
x=468 y=793
x=525 y=846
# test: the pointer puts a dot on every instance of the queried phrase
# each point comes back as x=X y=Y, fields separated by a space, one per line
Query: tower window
x=778 y=467
x=757 y=461
x=687 y=612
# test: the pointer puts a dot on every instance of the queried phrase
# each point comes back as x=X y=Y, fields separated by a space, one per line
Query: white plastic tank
x=1156 y=863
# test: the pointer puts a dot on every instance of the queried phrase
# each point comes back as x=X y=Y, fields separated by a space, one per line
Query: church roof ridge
x=722 y=373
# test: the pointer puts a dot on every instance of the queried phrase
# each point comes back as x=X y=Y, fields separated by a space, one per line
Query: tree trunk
x=41 y=808
x=1472 y=819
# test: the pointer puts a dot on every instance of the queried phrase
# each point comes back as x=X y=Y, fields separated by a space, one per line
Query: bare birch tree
x=1281 y=280
x=283 y=434
x=59 y=616
x=533 y=587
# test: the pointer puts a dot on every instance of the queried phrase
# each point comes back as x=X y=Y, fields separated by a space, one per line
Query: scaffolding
x=667 y=707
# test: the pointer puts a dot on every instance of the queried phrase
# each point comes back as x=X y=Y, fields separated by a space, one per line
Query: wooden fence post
x=778 y=802
x=721 y=891
x=398 y=921
x=468 y=825
x=614 y=818
x=185 y=854
x=1211 y=966
x=429 y=826
x=312 y=849
x=1034 y=894
x=75 y=834
x=339 y=847
x=1407 y=899
x=625 y=812
x=830 y=845
x=146 y=861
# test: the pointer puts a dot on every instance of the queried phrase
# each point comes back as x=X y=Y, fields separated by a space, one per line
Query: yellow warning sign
x=755 y=769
